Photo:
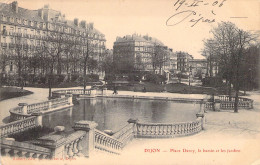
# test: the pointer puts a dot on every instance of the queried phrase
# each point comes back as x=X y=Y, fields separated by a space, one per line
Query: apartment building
x=28 y=33
x=140 y=53
x=183 y=61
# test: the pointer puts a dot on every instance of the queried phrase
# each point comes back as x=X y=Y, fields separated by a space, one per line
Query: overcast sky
x=122 y=17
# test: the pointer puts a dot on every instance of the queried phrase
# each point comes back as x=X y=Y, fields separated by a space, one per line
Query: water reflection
x=111 y=113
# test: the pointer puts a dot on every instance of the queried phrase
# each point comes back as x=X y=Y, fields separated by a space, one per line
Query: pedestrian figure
x=115 y=91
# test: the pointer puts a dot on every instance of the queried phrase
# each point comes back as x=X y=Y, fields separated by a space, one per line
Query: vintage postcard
x=130 y=82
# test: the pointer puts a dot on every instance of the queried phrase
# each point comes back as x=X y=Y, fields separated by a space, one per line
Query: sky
x=125 y=17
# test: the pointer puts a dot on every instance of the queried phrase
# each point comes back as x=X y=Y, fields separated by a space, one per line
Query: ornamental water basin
x=113 y=113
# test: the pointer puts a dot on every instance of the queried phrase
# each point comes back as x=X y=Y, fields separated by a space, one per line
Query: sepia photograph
x=130 y=82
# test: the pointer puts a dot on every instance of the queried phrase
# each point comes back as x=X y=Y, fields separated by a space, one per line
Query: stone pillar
x=202 y=118
x=56 y=143
x=217 y=106
x=39 y=118
x=69 y=98
x=24 y=107
x=134 y=121
x=88 y=142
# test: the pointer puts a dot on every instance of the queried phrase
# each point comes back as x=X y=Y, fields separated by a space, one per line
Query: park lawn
x=172 y=88
x=11 y=92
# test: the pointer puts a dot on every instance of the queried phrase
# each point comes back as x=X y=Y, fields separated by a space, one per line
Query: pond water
x=113 y=113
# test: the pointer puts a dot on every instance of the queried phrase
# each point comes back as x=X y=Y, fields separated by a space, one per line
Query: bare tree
x=159 y=57
x=229 y=44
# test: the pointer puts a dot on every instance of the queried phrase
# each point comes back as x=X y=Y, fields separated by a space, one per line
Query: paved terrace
x=237 y=132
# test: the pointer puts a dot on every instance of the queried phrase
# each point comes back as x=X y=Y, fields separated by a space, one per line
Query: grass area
x=186 y=89
x=171 y=88
x=63 y=85
x=11 y=92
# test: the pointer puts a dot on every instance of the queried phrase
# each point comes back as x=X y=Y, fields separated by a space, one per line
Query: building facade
x=183 y=61
x=45 y=37
x=198 y=67
x=141 y=53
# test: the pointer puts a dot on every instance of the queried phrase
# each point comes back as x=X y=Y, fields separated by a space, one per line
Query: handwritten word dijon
x=189 y=10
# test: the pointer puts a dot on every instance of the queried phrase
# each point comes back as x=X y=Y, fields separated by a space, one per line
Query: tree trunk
x=229 y=89
x=84 y=76
x=49 y=84
x=236 y=101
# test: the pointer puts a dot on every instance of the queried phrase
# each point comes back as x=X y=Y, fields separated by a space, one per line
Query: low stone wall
x=24 y=110
x=106 y=143
x=20 y=149
x=160 y=130
x=79 y=92
x=125 y=134
x=20 y=125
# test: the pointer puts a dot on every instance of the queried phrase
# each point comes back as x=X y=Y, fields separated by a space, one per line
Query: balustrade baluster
x=75 y=150
x=79 y=146
x=70 y=153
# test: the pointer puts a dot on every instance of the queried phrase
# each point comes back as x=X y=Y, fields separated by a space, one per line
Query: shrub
x=212 y=81
x=155 y=78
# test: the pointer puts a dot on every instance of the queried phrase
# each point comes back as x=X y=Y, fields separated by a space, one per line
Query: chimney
x=46 y=6
x=76 y=21
x=83 y=24
x=91 y=26
x=40 y=13
x=14 y=6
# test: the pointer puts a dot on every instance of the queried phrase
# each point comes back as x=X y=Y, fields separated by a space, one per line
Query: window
x=4 y=18
x=11 y=66
x=19 y=30
x=4 y=39
x=11 y=29
x=25 y=31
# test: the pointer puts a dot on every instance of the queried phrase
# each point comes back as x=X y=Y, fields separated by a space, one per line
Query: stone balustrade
x=160 y=130
x=37 y=107
x=74 y=144
x=20 y=149
x=20 y=125
x=88 y=92
x=228 y=103
x=60 y=102
x=24 y=110
x=125 y=134
x=209 y=105
x=231 y=98
x=104 y=142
